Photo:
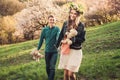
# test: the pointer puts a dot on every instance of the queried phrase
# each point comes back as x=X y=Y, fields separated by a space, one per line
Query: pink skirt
x=71 y=61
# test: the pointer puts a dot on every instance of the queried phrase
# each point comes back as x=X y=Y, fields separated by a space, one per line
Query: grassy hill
x=102 y=53
x=101 y=57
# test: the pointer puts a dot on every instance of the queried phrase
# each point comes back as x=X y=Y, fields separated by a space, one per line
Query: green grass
x=101 y=57
x=101 y=51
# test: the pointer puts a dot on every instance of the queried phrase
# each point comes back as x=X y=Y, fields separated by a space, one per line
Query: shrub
x=10 y=7
x=7 y=28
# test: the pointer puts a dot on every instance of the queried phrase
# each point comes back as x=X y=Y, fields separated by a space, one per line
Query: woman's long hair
x=77 y=20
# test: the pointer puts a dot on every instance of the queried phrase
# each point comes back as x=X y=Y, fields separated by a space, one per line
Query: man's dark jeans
x=50 y=59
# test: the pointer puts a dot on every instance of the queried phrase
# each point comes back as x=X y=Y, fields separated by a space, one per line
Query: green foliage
x=100 y=57
x=77 y=7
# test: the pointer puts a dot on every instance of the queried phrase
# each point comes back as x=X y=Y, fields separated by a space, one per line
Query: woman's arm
x=80 y=38
x=61 y=35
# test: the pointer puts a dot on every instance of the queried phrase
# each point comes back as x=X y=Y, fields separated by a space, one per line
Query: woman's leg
x=72 y=75
x=66 y=77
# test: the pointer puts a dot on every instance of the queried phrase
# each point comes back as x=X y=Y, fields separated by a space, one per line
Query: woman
x=71 y=62
x=50 y=34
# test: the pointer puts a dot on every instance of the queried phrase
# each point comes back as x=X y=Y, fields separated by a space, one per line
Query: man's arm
x=41 y=40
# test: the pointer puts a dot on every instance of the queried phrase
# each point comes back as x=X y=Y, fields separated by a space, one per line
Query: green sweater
x=50 y=35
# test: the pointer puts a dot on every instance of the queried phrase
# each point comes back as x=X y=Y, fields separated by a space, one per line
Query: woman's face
x=73 y=14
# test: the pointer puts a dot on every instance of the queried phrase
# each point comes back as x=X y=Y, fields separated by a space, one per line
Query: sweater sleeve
x=41 y=39
x=80 y=38
x=60 y=36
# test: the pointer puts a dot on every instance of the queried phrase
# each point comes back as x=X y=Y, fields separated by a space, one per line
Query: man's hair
x=50 y=16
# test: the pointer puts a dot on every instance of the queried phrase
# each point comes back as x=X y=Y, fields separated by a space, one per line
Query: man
x=50 y=34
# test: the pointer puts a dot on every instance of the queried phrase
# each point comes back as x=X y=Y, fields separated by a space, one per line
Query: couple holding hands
x=70 y=39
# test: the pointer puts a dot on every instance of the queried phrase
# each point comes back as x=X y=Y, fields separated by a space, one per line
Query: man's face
x=51 y=20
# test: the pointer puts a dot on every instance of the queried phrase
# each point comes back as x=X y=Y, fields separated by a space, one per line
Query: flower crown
x=75 y=7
